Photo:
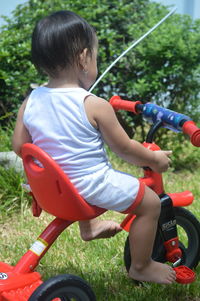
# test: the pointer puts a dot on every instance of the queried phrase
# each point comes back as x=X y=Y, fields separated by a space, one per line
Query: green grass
x=99 y=262
x=5 y=138
x=12 y=197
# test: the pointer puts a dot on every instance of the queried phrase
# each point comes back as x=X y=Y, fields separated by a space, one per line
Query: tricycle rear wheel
x=63 y=287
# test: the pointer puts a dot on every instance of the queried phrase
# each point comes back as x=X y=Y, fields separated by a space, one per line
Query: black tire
x=189 y=241
x=66 y=287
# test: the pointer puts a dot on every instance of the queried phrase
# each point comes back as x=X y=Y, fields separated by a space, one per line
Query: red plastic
x=152 y=146
x=57 y=195
x=184 y=275
x=190 y=128
x=151 y=178
x=173 y=251
x=36 y=209
x=119 y=104
x=126 y=223
x=15 y=286
x=181 y=199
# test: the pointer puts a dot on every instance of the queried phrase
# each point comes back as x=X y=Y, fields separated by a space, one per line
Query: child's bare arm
x=102 y=116
x=20 y=135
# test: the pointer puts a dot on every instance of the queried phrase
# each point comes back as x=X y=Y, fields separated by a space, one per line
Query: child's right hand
x=161 y=161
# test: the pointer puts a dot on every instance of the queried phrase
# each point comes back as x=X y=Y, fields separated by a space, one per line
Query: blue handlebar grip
x=171 y=120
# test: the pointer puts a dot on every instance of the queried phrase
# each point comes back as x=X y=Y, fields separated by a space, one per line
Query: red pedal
x=184 y=275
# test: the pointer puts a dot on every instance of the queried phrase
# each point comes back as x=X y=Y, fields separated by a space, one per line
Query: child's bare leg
x=142 y=235
x=95 y=228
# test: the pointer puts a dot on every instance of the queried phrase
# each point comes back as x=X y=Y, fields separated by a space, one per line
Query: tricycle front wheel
x=188 y=228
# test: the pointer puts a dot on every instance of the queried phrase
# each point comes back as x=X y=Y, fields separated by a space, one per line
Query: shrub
x=164 y=68
x=16 y=70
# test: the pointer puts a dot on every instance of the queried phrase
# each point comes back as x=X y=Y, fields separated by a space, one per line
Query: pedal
x=184 y=275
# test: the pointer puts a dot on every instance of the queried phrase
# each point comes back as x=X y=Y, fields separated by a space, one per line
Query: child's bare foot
x=94 y=229
x=154 y=272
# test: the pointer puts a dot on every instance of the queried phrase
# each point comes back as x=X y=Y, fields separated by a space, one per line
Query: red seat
x=52 y=188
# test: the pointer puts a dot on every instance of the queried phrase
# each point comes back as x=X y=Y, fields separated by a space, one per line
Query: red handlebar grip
x=190 y=128
x=119 y=104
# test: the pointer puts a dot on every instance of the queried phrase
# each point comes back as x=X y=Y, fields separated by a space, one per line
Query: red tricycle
x=21 y=282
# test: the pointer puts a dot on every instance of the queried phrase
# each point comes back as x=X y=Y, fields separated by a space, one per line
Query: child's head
x=59 y=40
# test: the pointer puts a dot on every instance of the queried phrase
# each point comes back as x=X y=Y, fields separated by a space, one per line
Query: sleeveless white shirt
x=57 y=122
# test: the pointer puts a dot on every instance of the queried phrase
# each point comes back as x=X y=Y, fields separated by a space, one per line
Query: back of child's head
x=59 y=39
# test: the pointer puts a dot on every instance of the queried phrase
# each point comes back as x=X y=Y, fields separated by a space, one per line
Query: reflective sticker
x=39 y=246
x=3 y=276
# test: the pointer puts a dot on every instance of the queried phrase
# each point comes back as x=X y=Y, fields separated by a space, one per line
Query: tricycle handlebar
x=190 y=128
x=152 y=113
x=120 y=104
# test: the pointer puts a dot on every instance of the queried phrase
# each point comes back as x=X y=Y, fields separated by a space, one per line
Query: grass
x=11 y=194
x=5 y=138
x=98 y=262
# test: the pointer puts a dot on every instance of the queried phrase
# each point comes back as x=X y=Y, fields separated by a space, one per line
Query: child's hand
x=161 y=161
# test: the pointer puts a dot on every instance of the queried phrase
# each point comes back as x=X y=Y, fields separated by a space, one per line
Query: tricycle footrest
x=15 y=286
x=184 y=275
x=21 y=294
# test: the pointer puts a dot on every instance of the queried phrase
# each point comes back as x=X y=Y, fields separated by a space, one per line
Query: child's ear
x=83 y=59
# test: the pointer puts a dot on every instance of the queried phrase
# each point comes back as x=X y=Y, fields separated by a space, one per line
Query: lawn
x=99 y=262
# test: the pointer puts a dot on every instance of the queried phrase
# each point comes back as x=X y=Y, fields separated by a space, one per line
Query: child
x=71 y=124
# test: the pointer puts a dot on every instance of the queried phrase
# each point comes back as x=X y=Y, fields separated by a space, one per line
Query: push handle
x=119 y=104
x=190 y=128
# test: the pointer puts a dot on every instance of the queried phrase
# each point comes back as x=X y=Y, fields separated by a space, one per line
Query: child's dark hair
x=59 y=39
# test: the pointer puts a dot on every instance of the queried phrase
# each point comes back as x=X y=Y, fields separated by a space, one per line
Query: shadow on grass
x=113 y=284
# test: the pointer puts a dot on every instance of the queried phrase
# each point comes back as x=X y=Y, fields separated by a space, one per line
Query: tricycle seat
x=52 y=189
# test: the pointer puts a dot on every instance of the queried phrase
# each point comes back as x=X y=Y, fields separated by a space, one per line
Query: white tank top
x=57 y=122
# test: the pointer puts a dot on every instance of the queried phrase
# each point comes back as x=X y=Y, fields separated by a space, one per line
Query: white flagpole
x=131 y=46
